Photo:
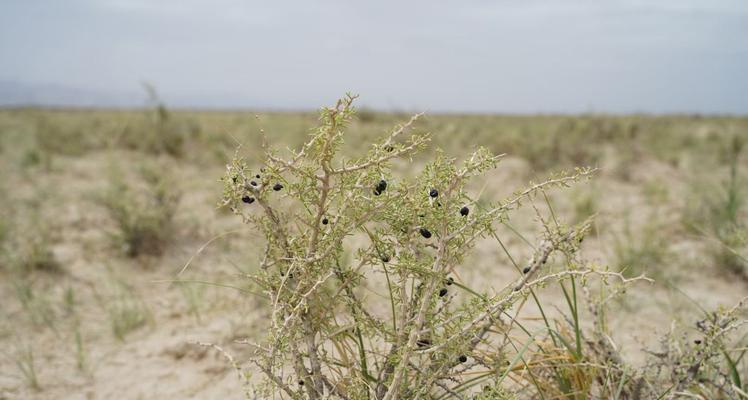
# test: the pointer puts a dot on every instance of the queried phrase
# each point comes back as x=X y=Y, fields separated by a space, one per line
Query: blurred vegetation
x=545 y=141
x=143 y=211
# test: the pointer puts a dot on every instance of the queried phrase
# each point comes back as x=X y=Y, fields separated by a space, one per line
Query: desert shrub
x=28 y=245
x=143 y=211
x=715 y=212
x=366 y=115
x=158 y=130
x=361 y=269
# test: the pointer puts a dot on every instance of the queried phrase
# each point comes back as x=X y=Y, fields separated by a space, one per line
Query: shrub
x=337 y=230
x=28 y=245
x=158 y=130
x=716 y=213
x=144 y=214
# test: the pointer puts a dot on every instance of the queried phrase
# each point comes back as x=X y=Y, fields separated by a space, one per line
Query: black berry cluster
x=248 y=200
x=464 y=211
x=277 y=187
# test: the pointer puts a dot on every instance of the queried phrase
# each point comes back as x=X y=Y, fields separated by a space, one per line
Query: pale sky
x=522 y=56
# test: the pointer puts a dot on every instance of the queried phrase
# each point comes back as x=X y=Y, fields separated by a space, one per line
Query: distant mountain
x=24 y=94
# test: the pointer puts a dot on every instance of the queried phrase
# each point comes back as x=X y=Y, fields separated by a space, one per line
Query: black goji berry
x=257 y=176
x=425 y=233
x=450 y=281
x=464 y=211
x=462 y=358
x=697 y=341
x=325 y=221
x=526 y=270
x=253 y=183
x=248 y=200
x=433 y=193
x=385 y=258
x=381 y=186
x=301 y=383
x=443 y=292
x=277 y=187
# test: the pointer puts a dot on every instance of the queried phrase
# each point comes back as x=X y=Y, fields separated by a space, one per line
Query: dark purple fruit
x=325 y=221
x=697 y=341
x=462 y=358
x=381 y=186
x=277 y=187
x=433 y=193
x=257 y=176
x=425 y=233
x=385 y=258
x=450 y=281
x=253 y=183
x=301 y=383
x=464 y=211
x=443 y=292
x=526 y=270
x=248 y=200
x=233 y=179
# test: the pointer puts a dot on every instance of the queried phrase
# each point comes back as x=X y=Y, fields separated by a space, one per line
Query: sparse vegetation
x=29 y=245
x=716 y=213
x=126 y=310
x=26 y=365
x=657 y=167
x=143 y=211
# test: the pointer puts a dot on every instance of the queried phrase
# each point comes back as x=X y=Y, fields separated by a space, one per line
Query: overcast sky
x=476 y=56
